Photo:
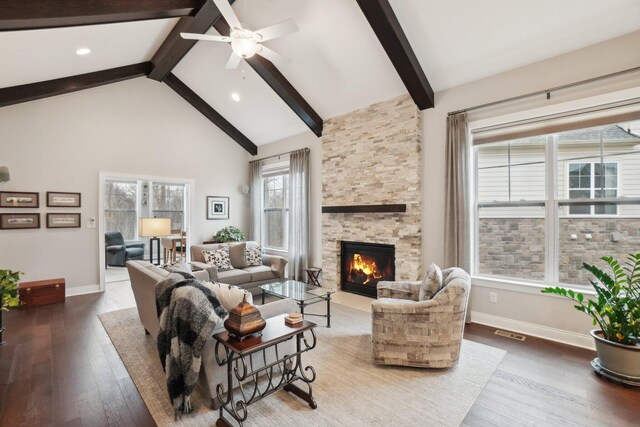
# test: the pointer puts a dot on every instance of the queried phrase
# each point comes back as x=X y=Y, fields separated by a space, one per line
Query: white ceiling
x=337 y=64
x=458 y=41
x=37 y=55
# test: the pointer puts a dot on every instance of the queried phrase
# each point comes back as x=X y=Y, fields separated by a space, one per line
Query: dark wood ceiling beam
x=201 y=105
x=37 y=14
x=174 y=47
x=32 y=91
x=387 y=28
x=280 y=85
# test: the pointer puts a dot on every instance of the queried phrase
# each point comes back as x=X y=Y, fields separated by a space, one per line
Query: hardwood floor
x=59 y=367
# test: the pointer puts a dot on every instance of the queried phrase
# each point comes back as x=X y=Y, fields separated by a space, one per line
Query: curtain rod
x=278 y=155
x=546 y=91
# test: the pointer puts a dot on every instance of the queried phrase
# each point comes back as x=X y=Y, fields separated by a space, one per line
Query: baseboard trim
x=81 y=290
x=534 y=330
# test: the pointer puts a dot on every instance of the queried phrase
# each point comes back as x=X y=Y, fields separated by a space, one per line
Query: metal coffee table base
x=303 y=304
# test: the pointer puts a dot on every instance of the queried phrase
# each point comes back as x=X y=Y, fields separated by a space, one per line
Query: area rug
x=349 y=389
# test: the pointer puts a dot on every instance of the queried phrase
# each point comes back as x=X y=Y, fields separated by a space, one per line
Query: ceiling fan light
x=245 y=48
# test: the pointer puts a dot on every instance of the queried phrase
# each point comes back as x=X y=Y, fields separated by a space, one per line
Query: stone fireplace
x=372 y=158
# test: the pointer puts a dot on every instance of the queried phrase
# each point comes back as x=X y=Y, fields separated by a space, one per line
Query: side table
x=313 y=275
x=256 y=383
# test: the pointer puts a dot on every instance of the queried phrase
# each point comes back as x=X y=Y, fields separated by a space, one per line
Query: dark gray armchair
x=118 y=252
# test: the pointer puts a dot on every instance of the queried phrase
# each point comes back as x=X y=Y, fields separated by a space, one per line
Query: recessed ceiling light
x=83 y=51
x=235 y=96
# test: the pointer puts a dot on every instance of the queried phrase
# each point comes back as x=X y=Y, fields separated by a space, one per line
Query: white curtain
x=298 y=214
x=255 y=202
x=456 y=231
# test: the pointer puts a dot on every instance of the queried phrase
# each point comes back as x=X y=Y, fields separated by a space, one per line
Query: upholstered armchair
x=425 y=334
x=118 y=252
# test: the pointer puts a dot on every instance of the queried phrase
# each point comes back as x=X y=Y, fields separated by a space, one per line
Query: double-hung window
x=169 y=202
x=544 y=204
x=275 y=213
x=120 y=212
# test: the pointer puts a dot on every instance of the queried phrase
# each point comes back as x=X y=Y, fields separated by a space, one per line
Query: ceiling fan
x=244 y=42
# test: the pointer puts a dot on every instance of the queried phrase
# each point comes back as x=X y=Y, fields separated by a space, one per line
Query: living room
x=380 y=168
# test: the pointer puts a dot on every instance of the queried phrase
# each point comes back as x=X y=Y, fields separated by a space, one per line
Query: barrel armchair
x=425 y=334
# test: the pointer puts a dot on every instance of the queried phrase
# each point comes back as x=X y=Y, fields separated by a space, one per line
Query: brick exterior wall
x=514 y=247
x=373 y=156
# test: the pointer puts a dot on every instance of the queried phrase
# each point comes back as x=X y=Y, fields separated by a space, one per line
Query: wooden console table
x=256 y=383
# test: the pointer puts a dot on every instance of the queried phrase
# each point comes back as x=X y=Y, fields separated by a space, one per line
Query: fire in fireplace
x=364 y=265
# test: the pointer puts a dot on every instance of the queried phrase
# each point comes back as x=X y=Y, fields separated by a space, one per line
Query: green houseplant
x=229 y=234
x=616 y=311
x=9 y=281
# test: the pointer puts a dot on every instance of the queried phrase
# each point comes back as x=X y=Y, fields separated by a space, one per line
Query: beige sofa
x=242 y=275
x=144 y=277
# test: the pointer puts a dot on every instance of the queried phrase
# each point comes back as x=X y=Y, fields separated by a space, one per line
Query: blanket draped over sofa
x=188 y=311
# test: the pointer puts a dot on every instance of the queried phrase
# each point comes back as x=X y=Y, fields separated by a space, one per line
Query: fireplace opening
x=363 y=265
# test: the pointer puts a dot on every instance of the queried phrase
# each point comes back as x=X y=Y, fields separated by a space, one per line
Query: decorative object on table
x=154 y=228
x=19 y=221
x=313 y=275
x=118 y=251
x=9 y=295
x=617 y=312
x=42 y=292
x=56 y=199
x=5 y=176
x=229 y=234
x=217 y=207
x=63 y=220
x=293 y=319
x=19 y=199
x=244 y=319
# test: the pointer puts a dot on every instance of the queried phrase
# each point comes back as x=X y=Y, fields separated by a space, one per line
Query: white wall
x=305 y=140
x=548 y=315
x=136 y=127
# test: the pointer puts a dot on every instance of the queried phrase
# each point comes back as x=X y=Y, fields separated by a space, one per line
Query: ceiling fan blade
x=278 y=30
x=227 y=12
x=273 y=56
x=206 y=37
x=234 y=61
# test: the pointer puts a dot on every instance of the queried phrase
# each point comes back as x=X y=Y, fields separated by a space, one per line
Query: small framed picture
x=63 y=200
x=217 y=207
x=16 y=199
x=19 y=221
x=63 y=220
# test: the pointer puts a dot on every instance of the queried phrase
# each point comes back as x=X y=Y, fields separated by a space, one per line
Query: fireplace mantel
x=365 y=209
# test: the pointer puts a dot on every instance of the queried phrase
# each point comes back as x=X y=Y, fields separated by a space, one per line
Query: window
x=275 y=221
x=593 y=180
x=121 y=199
x=545 y=204
x=169 y=202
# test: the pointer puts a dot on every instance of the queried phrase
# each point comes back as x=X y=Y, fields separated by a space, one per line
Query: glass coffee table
x=302 y=293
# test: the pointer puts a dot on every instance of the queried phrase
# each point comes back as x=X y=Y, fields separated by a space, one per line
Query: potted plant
x=616 y=311
x=9 y=297
x=229 y=234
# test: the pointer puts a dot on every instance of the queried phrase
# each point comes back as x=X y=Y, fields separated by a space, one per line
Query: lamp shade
x=5 y=176
x=154 y=227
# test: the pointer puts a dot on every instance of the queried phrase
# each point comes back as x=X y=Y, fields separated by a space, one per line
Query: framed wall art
x=217 y=207
x=19 y=199
x=63 y=220
x=19 y=221
x=56 y=199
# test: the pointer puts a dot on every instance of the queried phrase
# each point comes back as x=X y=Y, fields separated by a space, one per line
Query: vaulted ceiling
x=338 y=63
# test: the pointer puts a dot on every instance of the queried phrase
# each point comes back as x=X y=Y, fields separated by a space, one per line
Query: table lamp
x=154 y=228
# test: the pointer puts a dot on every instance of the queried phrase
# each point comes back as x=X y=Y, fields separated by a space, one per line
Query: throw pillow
x=219 y=258
x=254 y=255
x=230 y=296
x=431 y=283
x=236 y=253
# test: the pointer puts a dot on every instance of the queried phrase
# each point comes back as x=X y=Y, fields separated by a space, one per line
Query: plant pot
x=617 y=358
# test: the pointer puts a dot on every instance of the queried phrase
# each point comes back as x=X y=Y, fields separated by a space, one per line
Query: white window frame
x=270 y=170
x=592 y=189
x=135 y=210
x=551 y=206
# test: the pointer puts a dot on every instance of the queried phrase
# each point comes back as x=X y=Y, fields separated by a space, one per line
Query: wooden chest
x=42 y=292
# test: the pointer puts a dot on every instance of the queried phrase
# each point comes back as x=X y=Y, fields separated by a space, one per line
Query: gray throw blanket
x=188 y=311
